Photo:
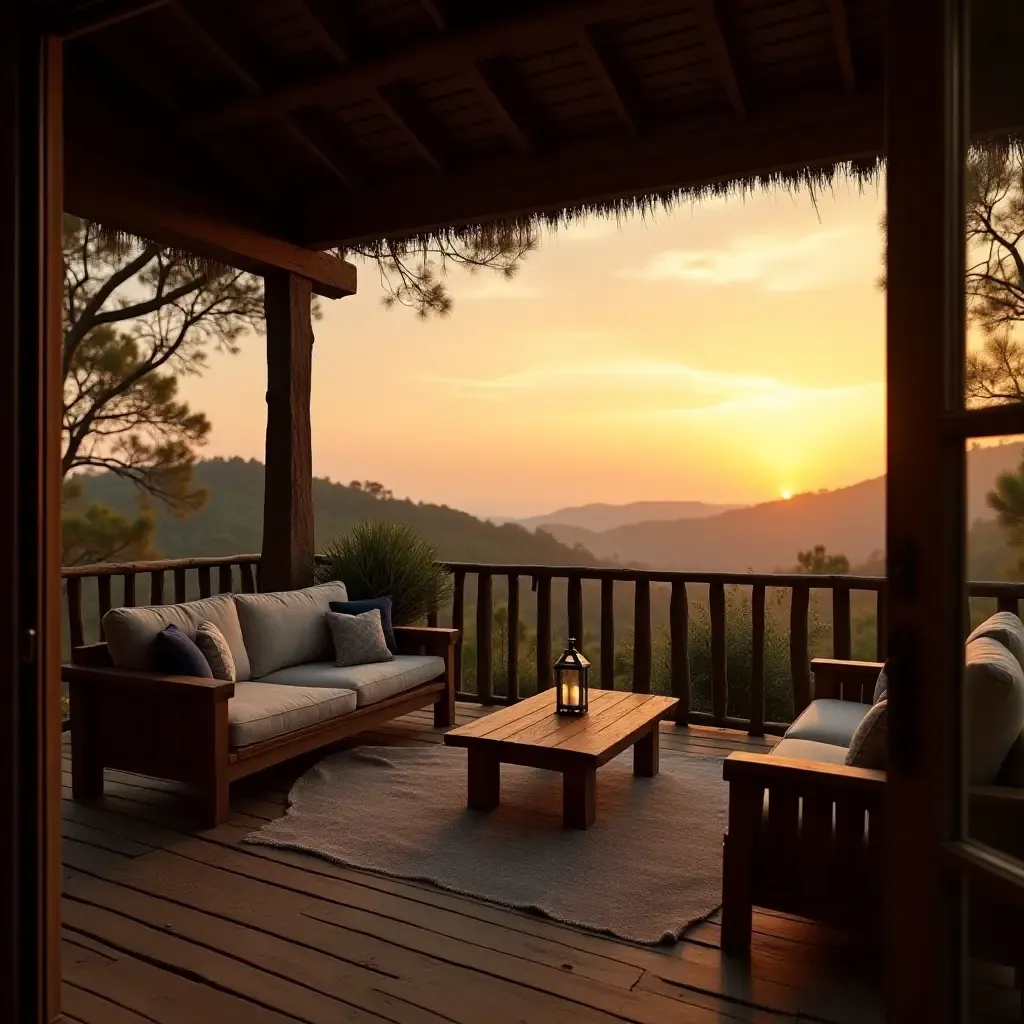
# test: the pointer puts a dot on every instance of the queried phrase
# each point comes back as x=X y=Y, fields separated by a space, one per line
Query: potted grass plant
x=381 y=558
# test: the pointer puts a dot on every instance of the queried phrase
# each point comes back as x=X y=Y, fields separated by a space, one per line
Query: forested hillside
x=231 y=522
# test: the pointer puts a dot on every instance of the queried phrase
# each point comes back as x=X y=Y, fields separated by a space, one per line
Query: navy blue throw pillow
x=175 y=653
x=382 y=604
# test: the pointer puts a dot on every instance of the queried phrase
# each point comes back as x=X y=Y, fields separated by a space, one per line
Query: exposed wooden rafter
x=403 y=107
x=225 y=54
x=334 y=27
x=84 y=17
x=453 y=48
x=492 y=80
x=435 y=11
x=721 y=56
x=595 y=51
x=841 y=33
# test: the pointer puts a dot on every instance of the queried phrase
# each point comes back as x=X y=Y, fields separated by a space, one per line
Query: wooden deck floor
x=166 y=923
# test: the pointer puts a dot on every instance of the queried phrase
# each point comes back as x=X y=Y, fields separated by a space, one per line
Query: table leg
x=579 y=796
x=645 y=754
x=484 y=780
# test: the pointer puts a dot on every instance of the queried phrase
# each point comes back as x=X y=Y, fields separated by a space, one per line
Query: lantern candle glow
x=571 y=681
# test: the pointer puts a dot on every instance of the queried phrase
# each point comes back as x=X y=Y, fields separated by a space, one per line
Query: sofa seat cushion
x=370 y=683
x=130 y=632
x=810 y=750
x=829 y=721
x=287 y=628
x=261 y=711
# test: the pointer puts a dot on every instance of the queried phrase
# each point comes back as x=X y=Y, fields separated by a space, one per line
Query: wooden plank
x=757 y=661
x=180 y=592
x=76 y=624
x=622 y=729
x=128 y=581
x=799 y=651
x=595 y=50
x=783 y=823
x=512 y=668
x=881 y=625
x=607 y=679
x=249 y=579
x=205 y=589
x=574 y=609
x=841 y=34
x=841 y=623
x=224 y=582
x=709 y=13
x=1007 y=603
x=719 y=654
x=679 y=630
x=81 y=1005
x=156 y=587
x=288 y=545
x=405 y=110
x=552 y=730
x=103 y=588
x=642 y=637
x=816 y=855
x=543 y=632
x=484 y=637
x=459 y=621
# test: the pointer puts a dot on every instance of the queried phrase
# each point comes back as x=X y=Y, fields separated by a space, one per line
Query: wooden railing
x=240 y=572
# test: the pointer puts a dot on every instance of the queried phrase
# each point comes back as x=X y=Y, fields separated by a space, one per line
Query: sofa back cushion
x=993 y=708
x=130 y=632
x=287 y=628
x=1007 y=629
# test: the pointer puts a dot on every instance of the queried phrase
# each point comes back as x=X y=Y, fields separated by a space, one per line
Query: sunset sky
x=727 y=352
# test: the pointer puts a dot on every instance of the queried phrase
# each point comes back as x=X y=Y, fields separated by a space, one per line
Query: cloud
x=496 y=287
x=673 y=388
x=772 y=263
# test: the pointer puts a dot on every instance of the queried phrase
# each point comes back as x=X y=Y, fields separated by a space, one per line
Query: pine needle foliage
x=380 y=558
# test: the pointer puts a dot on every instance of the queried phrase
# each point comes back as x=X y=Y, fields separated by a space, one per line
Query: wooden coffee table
x=530 y=733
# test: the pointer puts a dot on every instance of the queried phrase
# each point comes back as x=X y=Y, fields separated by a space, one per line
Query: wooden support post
x=287 y=560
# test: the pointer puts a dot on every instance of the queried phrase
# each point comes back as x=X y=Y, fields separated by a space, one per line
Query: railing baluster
x=484 y=637
x=607 y=634
x=459 y=623
x=433 y=620
x=76 y=624
x=642 y=637
x=512 y=669
x=156 y=586
x=679 y=633
x=204 y=581
x=881 y=616
x=719 y=666
x=129 y=589
x=841 y=622
x=1007 y=603
x=180 y=586
x=249 y=578
x=103 y=586
x=574 y=607
x=757 y=661
x=543 y=632
x=799 y=654
x=224 y=583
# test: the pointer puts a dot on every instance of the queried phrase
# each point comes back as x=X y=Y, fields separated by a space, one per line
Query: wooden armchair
x=808 y=838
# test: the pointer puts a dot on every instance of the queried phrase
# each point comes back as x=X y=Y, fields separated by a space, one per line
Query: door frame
x=31 y=172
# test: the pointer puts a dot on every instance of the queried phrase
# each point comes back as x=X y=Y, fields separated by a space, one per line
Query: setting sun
x=786 y=495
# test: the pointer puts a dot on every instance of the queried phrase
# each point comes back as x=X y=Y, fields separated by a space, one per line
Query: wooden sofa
x=808 y=838
x=177 y=727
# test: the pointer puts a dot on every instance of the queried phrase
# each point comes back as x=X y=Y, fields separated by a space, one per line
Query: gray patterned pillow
x=358 y=639
x=212 y=642
x=869 y=747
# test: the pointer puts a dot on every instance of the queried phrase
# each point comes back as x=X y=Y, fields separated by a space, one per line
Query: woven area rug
x=648 y=868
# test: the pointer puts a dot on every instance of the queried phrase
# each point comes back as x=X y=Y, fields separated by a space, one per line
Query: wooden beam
x=100 y=190
x=227 y=56
x=434 y=11
x=287 y=557
x=596 y=53
x=324 y=18
x=403 y=107
x=721 y=56
x=70 y=21
x=493 y=81
x=806 y=130
x=446 y=48
x=841 y=33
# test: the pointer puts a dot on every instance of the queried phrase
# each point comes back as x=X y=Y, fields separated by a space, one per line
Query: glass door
x=954 y=935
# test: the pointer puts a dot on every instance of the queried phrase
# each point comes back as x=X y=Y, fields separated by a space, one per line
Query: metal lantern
x=571 y=681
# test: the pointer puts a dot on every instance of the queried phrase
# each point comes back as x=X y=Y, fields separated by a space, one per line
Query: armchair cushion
x=259 y=711
x=287 y=628
x=829 y=721
x=993 y=707
x=1007 y=629
x=869 y=747
x=129 y=632
x=370 y=683
x=810 y=750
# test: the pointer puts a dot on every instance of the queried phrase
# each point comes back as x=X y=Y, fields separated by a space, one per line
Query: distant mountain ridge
x=601 y=516
x=231 y=522
x=766 y=537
